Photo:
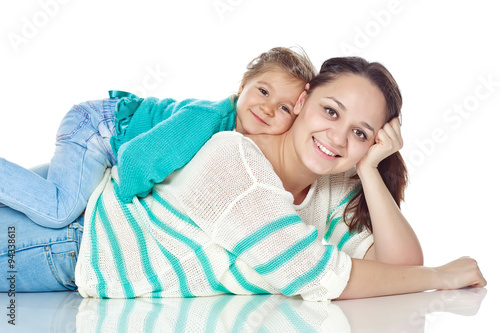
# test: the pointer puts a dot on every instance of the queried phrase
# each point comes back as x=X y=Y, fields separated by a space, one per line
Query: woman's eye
x=264 y=92
x=331 y=112
x=360 y=134
x=285 y=108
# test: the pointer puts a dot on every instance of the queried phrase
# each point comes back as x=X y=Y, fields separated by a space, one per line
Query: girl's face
x=337 y=123
x=266 y=103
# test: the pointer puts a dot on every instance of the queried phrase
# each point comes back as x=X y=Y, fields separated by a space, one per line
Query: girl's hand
x=460 y=273
x=387 y=141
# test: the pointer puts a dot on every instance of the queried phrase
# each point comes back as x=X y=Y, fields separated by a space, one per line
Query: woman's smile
x=328 y=153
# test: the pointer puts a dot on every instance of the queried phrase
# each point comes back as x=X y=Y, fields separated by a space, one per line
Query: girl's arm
x=164 y=137
x=372 y=278
x=395 y=242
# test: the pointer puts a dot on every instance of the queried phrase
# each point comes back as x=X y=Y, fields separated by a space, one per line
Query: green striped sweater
x=222 y=224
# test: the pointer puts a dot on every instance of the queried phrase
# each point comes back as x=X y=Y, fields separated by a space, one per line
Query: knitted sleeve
x=355 y=244
x=134 y=116
x=148 y=158
x=231 y=192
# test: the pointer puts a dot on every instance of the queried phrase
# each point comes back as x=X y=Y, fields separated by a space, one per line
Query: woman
x=250 y=214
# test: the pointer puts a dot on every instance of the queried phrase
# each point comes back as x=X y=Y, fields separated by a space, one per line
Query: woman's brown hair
x=392 y=169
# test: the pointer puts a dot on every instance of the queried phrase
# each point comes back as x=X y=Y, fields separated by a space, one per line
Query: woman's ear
x=300 y=101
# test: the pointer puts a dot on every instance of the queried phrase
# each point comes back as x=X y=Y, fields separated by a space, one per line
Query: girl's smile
x=258 y=118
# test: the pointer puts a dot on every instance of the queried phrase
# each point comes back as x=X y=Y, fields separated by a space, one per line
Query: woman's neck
x=280 y=151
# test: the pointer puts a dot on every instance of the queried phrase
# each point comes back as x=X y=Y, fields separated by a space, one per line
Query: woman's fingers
x=387 y=141
x=463 y=272
x=393 y=131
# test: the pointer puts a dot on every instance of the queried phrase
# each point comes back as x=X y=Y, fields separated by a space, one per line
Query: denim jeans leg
x=83 y=152
x=40 y=259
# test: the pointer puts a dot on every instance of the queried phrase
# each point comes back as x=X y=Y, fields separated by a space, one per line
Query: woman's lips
x=328 y=152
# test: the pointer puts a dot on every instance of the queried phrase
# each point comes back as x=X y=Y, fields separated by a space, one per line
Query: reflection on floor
x=68 y=312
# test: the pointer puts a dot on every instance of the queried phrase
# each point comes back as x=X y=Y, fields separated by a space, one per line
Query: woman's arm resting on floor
x=372 y=278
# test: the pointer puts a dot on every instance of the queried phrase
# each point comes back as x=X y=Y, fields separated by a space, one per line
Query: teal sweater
x=156 y=137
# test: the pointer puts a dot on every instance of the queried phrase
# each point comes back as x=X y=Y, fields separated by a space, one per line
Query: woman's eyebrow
x=367 y=126
x=343 y=108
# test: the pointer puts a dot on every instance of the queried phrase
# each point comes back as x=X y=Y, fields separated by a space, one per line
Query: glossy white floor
x=466 y=310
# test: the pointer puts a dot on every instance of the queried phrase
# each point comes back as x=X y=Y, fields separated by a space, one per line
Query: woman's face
x=337 y=123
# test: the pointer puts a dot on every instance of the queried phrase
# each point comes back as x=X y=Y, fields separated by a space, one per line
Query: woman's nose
x=338 y=136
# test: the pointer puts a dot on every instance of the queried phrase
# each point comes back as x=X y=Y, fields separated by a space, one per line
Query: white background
x=56 y=53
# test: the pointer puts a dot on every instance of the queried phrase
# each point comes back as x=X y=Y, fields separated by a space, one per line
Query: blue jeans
x=82 y=154
x=44 y=258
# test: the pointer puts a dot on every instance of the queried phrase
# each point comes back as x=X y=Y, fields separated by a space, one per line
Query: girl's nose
x=268 y=109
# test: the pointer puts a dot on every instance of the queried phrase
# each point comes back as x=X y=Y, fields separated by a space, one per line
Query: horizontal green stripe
x=333 y=224
x=287 y=255
x=176 y=265
x=334 y=221
x=309 y=276
x=250 y=287
x=264 y=232
x=197 y=249
x=173 y=210
x=345 y=238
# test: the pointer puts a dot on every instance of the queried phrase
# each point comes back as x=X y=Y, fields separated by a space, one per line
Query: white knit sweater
x=221 y=224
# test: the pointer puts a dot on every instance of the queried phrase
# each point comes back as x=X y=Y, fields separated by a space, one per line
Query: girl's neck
x=280 y=151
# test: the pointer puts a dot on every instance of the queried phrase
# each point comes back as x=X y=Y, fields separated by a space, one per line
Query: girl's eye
x=331 y=112
x=264 y=92
x=285 y=108
x=360 y=134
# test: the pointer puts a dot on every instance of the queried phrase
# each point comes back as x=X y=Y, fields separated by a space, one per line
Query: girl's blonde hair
x=295 y=63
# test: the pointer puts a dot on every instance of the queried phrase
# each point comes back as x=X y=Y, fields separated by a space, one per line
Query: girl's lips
x=258 y=118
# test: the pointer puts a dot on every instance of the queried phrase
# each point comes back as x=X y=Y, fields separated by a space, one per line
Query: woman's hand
x=387 y=141
x=460 y=273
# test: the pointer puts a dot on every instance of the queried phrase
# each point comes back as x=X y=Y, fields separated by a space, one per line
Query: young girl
x=91 y=134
